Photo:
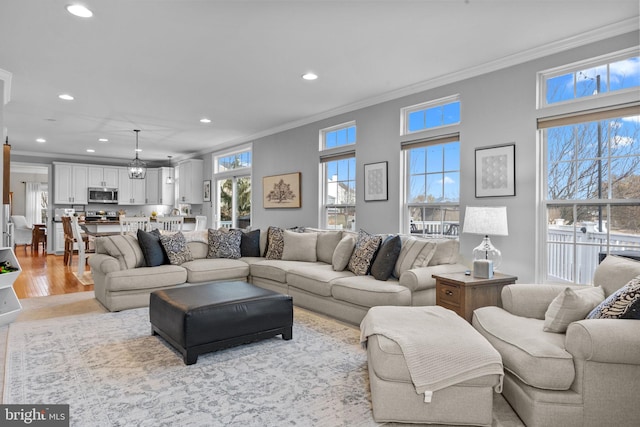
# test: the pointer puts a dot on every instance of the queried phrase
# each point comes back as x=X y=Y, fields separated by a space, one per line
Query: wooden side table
x=463 y=294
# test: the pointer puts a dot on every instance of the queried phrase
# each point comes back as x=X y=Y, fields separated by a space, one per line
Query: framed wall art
x=206 y=190
x=496 y=171
x=375 y=182
x=281 y=191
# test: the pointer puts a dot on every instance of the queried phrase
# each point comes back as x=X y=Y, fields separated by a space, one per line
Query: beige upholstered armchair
x=23 y=232
x=588 y=376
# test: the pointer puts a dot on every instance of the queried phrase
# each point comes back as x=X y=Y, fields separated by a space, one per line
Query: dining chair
x=83 y=249
x=170 y=223
x=131 y=224
x=201 y=222
x=70 y=240
x=23 y=232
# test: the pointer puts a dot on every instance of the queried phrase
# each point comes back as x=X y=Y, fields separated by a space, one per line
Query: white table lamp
x=486 y=221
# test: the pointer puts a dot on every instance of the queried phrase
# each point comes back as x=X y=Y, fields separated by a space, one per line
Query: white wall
x=496 y=108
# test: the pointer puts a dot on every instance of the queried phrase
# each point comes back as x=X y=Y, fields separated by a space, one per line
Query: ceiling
x=162 y=65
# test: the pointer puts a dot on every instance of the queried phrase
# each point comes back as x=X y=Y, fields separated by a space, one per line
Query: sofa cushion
x=415 y=253
x=315 y=278
x=135 y=279
x=446 y=252
x=342 y=253
x=276 y=270
x=176 y=248
x=326 y=246
x=570 y=306
x=366 y=247
x=299 y=246
x=215 y=269
x=367 y=291
x=125 y=248
x=622 y=304
x=198 y=249
x=250 y=243
x=537 y=358
x=614 y=272
x=385 y=260
x=151 y=247
x=275 y=243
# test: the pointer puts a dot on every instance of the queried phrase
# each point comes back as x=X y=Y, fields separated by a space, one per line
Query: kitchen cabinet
x=190 y=181
x=70 y=184
x=130 y=191
x=99 y=176
x=158 y=191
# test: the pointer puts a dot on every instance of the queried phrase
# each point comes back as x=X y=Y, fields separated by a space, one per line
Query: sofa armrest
x=418 y=279
x=104 y=263
x=605 y=340
x=531 y=300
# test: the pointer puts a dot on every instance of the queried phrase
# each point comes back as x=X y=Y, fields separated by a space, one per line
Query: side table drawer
x=449 y=294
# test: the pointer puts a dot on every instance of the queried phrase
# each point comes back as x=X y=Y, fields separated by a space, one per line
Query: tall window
x=592 y=195
x=232 y=175
x=433 y=185
x=338 y=164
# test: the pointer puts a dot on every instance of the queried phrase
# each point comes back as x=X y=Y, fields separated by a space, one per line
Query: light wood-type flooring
x=44 y=275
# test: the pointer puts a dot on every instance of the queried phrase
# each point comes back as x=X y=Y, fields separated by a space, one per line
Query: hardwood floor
x=44 y=275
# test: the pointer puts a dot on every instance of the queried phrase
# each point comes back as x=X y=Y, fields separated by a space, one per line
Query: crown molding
x=6 y=77
x=602 y=33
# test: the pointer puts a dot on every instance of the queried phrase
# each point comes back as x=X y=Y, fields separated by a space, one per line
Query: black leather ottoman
x=203 y=318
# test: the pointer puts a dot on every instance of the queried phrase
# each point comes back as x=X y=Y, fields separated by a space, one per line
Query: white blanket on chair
x=440 y=348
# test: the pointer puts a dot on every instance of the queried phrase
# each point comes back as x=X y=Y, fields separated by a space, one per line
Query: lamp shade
x=486 y=220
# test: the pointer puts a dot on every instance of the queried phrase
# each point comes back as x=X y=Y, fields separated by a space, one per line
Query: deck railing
x=562 y=265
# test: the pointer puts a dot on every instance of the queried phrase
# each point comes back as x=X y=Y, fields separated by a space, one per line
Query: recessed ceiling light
x=79 y=10
x=66 y=97
x=90 y=150
x=139 y=150
x=205 y=120
x=309 y=76
x=41 y=140
x=103 y=140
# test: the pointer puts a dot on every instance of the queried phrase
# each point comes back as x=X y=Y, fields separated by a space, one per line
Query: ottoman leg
x=287 y=334
x=190 y=357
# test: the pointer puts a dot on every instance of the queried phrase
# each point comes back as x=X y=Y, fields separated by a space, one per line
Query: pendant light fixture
x=137 y=168
x=170 y=177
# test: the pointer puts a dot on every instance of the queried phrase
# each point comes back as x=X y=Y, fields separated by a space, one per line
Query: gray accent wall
x=496 y=108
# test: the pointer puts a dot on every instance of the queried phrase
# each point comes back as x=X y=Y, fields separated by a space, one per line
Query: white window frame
x=406 y=111
x=543 y=76
x=234 y=175
x=325 y=131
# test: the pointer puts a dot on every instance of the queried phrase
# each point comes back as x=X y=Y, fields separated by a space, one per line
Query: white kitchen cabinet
x=158 y=191
x=99 y=176
x=190 y=181
x=130 y=191
x=70 y=184
x=58 y=239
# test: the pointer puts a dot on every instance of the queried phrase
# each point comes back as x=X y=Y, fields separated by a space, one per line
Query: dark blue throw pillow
x=154 y=253
x=386 y=258
x=250 y=243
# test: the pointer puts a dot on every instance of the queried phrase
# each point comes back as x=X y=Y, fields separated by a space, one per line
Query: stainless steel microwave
x=103 y=195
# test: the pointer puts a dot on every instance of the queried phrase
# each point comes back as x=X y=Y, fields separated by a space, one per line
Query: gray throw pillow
x=250 y=243
x=570 y=306
x=342 y=253
x=385 y=260
x=299 y=246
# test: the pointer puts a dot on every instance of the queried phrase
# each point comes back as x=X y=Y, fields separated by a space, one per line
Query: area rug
x=112 y=372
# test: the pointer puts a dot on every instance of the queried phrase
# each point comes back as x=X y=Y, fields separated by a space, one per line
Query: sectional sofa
x=314 y=267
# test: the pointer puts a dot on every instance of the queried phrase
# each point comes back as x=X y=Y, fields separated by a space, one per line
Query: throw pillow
x=386 y=258
x=366 y=247
x=176 y=248
x=446 y=252
x=152 y=249
x=299 y=246
x=250 y=243
x=342 y=253
x=622 y=304
x=275 y=243
x=327 y=242
x=125 y=248
x=415 y=253
x=228 y=243
x=569 y=306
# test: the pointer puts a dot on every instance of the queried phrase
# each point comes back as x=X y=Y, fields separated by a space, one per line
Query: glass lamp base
x=486 y=250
